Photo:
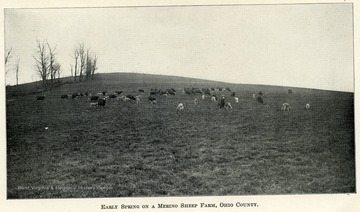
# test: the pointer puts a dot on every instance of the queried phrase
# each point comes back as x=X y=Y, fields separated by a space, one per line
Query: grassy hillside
x=148 y=149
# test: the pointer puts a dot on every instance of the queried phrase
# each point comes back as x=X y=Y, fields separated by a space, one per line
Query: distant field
x=126 y=150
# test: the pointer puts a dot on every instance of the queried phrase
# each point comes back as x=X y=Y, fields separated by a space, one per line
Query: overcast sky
x=292 y=45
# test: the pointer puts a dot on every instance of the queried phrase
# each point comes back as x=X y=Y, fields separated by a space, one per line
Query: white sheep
x=236 y=99
x=285 y=106
x=137 y=99
x=228 y=105
x=307 y=106
x=93 y=104
x=180 y=107
x=196 y=101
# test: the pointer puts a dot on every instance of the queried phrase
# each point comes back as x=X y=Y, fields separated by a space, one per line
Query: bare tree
x=52 y=58
x=71 y=70
x=42 y=61
x=82 y=59
x=88 y=67
x=75 y=55
x=87 y=62
x=8 y=55
x=17 y=67
x=57 y=67
x=94 y=67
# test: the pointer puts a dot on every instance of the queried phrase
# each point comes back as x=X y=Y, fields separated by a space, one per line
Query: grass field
x=148 y=149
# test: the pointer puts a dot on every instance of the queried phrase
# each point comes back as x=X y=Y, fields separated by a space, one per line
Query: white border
x=326 y=202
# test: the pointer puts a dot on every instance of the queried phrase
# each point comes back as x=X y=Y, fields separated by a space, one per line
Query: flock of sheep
x=100 y=99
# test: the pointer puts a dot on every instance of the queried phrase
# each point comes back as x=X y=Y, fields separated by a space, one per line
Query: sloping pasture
x=148 y=149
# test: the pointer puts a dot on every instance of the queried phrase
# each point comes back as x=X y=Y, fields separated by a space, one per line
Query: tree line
x=48 y=68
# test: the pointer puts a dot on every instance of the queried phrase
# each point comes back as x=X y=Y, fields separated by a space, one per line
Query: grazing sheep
x=261 y=93
x=208 y=92
x=137 y=99
x=131 y=97
x=285 y=106
x=42 y=97
x=102 y=101
x=64 y=96
x=141 y=90
x=307 y=106
x=153 y=92
x=203 y=97
x=233 y=94
x=180 y=107
x=260 y=100
x=94 y=98
x=104 y=93
x=228 y=105
x=112 y=96
x=290 y=91
x=126 y=99
x=254 y=96
x=170 y=92
x=93 y=104
x=152 y=99
x=236 y=99
x=121 y=98
x=213 y=99
x=74 y=95
x=118 y=92
x=196 y=101
x=222 y=102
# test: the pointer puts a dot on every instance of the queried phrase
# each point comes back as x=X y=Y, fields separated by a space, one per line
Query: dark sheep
x=112 y=96
x=260 y=99
x=290 y=91
x=141 y=90
x=215 y=97
x=64 y=96
x=42 y=97
x=222 y=102
x=152 y=98
x=118 y=92
x=104 y=93
x=162 y=92
x=131 y=97
x=94 y=98
x=187 y=91
x=228 y=89
x=173 y=90
x=74 y=95
x=261 y=93
x=153 y=92
x=208 y=92
x=233 y=94
x=101 y=102
x=196 y=90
